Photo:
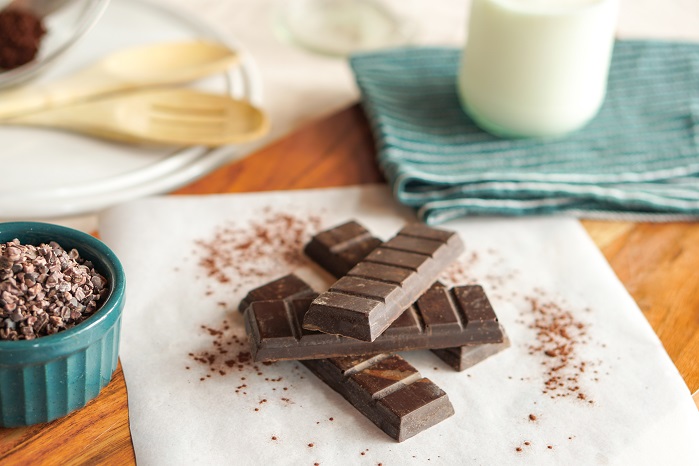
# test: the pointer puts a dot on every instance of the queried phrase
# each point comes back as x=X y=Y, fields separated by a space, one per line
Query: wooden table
x=657 y=263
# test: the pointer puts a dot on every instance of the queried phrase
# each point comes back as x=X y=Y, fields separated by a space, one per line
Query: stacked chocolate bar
x=386 y=299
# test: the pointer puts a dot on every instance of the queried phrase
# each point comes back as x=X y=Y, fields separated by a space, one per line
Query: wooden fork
x=180 y=117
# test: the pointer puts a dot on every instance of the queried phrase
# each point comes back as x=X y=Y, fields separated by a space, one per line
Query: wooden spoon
x=152 y=65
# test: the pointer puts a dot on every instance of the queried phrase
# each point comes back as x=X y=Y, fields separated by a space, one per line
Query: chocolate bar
x=386 y=389
x=376 y=291
x=441 y=318
x=288 y=287
x=353 y=248
x=339 y=249
x=461 y=358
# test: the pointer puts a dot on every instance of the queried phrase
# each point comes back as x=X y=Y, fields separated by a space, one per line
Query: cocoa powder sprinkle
x=558 y=335
x=242 y=255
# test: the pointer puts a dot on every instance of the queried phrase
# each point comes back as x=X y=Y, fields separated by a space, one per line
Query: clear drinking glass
x=536 y=68
x=342 y=27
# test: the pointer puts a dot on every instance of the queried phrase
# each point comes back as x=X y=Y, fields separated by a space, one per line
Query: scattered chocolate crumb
x=518 y=448
x=331 y=419
x=527 y=443
x=227 y=352
x=241 y=255
x=558 y=335
x=461 y=272
x=532 y=417
x=310 y=445
x=550 y=447
x=274 y=437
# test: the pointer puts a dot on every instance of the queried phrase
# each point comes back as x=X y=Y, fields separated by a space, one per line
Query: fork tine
x=200 y=118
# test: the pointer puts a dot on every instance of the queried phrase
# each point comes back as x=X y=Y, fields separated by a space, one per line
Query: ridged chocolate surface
x=441 y=318
x=384 y=283
x=287 y=287
x=459 y=358
x=386 y=389
x=339 y=249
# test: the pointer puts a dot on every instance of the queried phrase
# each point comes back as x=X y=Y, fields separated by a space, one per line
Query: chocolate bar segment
x=440 y=319
x=408 y=263
x=339 y=249
x=386 y=389
x=288 y=287
x=464 y=357
x=459 y=358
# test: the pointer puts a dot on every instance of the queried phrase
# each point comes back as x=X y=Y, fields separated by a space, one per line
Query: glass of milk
x=536 y=68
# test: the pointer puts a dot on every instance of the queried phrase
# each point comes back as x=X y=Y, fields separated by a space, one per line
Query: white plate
x=47 y=173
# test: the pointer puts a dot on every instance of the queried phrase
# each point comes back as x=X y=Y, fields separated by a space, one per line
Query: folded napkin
x=638 y=159
x=196 y=398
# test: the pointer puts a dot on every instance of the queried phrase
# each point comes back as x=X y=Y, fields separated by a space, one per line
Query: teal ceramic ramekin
x=48 y=377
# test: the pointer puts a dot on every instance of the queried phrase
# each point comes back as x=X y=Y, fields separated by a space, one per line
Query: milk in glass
x=536 y=68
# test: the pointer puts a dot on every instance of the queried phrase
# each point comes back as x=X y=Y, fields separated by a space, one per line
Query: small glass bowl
x=48 y=377
x=64 y=27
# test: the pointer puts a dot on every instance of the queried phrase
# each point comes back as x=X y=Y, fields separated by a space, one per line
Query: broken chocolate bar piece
x=441 y=318
x=288 y=287
x=464 y=357
x=375 y=292
x=386 y=389
x=460 y=358
x=339 y=249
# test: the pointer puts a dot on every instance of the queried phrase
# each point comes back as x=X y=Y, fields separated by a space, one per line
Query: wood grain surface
x=657 y=263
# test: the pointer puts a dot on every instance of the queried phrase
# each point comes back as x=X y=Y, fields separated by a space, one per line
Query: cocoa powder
x=240 y=256
x=21 y=32
x=559 y=333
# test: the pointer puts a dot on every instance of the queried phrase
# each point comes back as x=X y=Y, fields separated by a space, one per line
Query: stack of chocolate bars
x=386 y=299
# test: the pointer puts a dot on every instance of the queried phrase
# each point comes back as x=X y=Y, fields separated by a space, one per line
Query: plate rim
x=70 y=200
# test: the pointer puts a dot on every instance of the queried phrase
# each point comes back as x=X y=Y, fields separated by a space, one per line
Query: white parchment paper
x=637 y=409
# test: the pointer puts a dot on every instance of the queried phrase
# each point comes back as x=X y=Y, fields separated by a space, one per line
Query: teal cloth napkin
x=638 y=159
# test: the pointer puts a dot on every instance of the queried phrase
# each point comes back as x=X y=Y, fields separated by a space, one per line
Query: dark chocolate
x=459 y=358
x=386 y=389
x=440 y=318
x=378 y=289
x=339 y=249
x=288 y=287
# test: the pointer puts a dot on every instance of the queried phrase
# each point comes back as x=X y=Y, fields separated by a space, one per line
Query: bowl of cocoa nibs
x=61 y=299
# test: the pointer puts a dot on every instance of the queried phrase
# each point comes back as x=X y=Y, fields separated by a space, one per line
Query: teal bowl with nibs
x=50 y=376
